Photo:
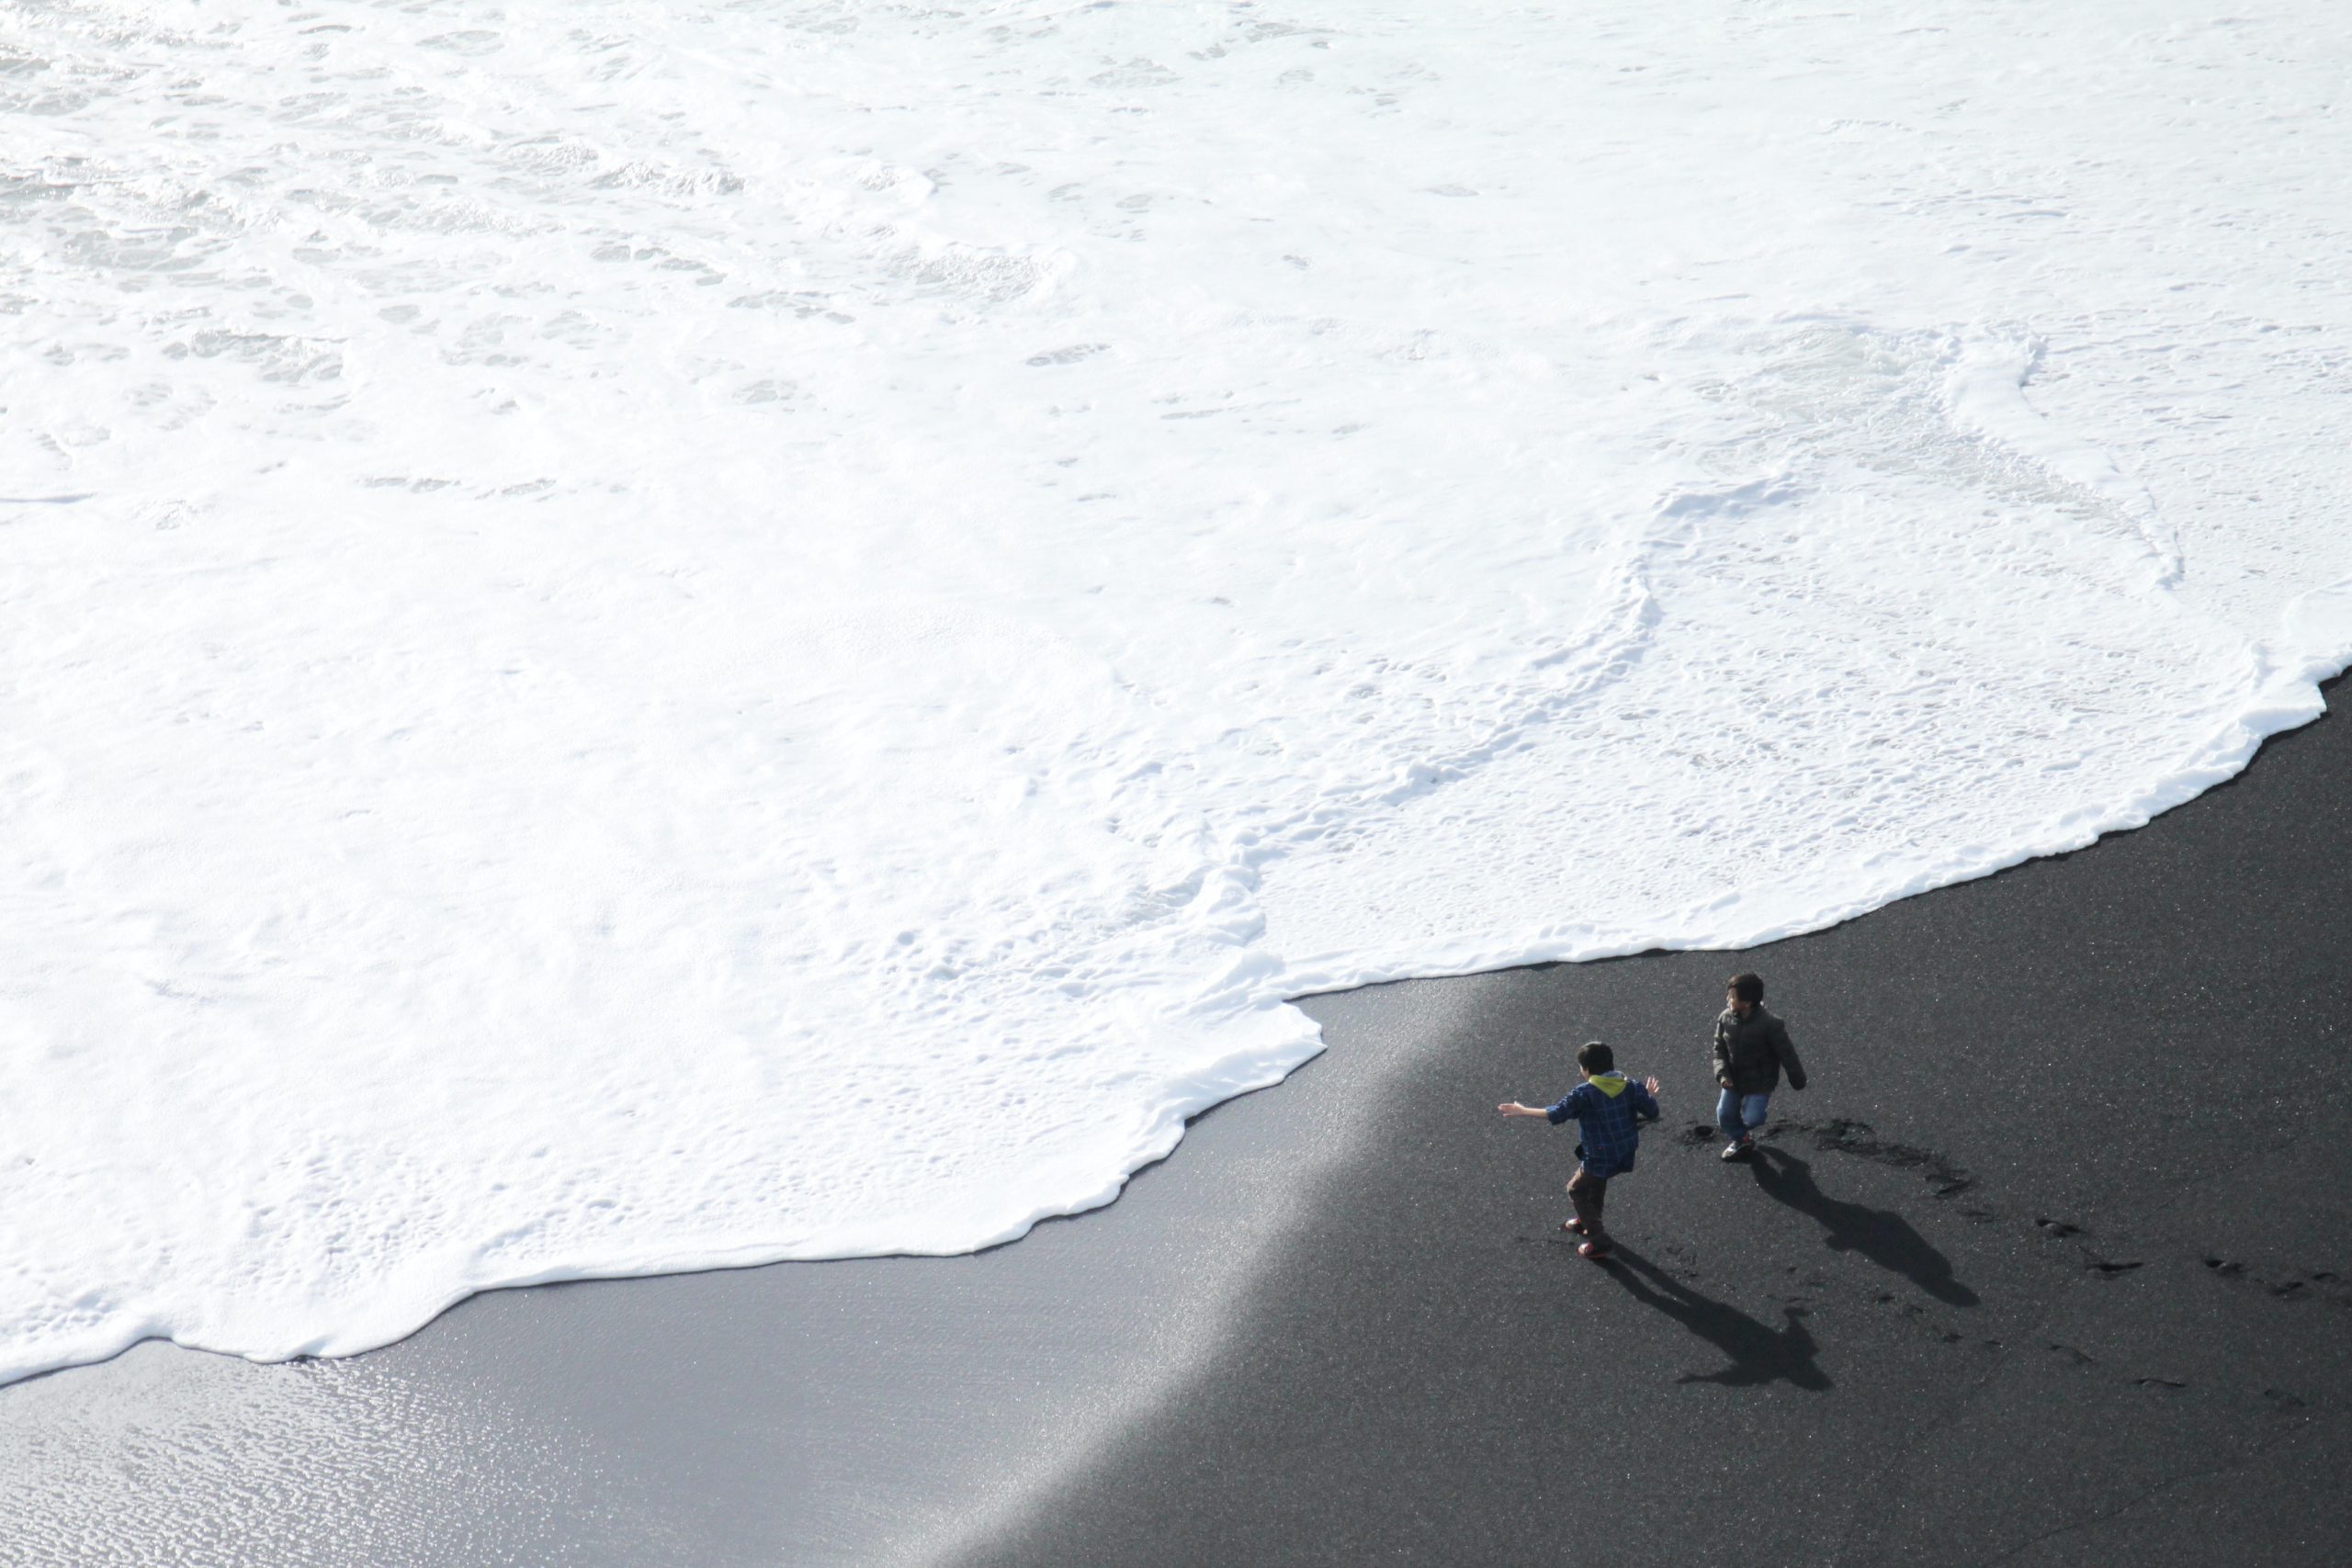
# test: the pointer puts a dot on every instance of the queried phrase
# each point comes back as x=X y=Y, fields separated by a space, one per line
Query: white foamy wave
x=640 y=637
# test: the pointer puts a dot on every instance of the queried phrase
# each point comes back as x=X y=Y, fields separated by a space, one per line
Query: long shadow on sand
x=1758 y=1353
x=1883 y=1236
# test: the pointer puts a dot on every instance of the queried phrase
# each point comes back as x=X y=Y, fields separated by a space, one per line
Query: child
x=1609 y=1109
x=1751 y=1049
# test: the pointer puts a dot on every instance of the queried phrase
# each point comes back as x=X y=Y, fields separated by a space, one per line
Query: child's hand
x=1650 y=1084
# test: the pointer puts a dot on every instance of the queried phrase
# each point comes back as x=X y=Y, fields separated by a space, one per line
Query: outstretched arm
x=1513 y=1108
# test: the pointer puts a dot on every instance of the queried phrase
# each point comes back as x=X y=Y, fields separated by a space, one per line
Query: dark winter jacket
x=1751 y=1051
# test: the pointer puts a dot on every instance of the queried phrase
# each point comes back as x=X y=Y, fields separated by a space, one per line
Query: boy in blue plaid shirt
x=1610 y=1110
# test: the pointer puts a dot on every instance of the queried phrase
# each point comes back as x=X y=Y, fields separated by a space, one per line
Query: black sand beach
x=2052 y=1263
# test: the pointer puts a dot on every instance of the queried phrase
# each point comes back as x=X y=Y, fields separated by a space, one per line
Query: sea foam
x=639 y=637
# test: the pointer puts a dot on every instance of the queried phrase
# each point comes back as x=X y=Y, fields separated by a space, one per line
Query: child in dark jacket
x=1608 y=1109
x=1752 y=1048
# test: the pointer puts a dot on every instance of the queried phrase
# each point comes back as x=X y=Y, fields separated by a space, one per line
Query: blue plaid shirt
x=1610 y=1122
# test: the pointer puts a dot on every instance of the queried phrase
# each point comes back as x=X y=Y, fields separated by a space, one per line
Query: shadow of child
x=1757 y=1352
x=1883 y=1236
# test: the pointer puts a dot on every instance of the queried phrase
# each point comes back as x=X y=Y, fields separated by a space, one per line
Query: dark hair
x=1747 y=987
x=1595 y=1057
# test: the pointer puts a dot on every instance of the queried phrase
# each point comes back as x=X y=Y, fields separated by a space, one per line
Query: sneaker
x=1575 y=1226
x=1739 y=1150
x=1596 y=1250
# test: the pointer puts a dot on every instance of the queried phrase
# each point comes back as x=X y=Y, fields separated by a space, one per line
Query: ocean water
x=643 y=636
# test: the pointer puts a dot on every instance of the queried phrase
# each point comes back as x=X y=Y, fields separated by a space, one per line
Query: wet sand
x=2051 y=1263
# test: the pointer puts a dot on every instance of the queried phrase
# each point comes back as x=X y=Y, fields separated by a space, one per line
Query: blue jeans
x=1739 y=1114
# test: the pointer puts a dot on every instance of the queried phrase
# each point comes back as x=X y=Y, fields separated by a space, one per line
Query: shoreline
x=1335 y=1325
x=2050 y=1241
